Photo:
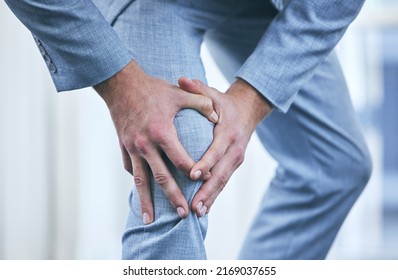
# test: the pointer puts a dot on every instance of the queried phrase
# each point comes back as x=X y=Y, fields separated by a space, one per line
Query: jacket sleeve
x=298 y=39
x=78 y=45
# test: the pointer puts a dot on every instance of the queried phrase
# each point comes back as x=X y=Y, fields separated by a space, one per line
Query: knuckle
x=157 y=133
x=141 y=144
x=233 y=137
x=129 y=144
x=223 y=181
x=162 y=179
x=180 y=163
x=138 y=181
x=240 y=154
x=218 y=154
x=207 y=104
x=240 y=159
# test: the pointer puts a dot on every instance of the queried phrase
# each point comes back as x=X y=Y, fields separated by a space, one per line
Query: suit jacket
x=81 y=49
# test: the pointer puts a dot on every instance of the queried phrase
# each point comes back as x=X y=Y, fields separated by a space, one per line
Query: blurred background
x=63 y=189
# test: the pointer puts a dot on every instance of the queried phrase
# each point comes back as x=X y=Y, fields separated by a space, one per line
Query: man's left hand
x=240 y=109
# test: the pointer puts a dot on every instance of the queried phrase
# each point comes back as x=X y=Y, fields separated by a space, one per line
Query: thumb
x=202 y=104
x=193 y=86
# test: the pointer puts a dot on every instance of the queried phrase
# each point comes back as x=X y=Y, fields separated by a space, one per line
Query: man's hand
x=240 y=109
x=143 y=109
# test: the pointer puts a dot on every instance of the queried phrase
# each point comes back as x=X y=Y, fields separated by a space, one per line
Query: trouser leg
x=166 y=47
x=323 y=167
x=323 y=159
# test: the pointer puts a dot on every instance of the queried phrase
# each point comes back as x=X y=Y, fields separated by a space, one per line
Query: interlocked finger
x=166 y=181
x=212 y=156
x=143 y=186
x=200 y=103
x=209 y=191
x=175 y=151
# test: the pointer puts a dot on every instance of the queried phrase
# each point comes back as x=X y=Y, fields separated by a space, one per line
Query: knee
x=363 y=171
x=358 y=169
x=194 y=131
x=351 y=171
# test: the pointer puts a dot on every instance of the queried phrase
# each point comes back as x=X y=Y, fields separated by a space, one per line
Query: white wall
x=62 y=185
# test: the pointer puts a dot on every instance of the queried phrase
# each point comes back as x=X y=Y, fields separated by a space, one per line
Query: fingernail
x=199 y=206
x=146 y=219
x=203 y=211
x=207 y=176
x=180 y=212
x=214 y=117
x=197 y=174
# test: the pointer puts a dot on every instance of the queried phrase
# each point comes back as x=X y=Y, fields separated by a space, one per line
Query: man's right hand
x=143 y=109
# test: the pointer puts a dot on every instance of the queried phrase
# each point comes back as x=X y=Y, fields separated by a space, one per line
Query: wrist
x=119 y=84
x=251 y=100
